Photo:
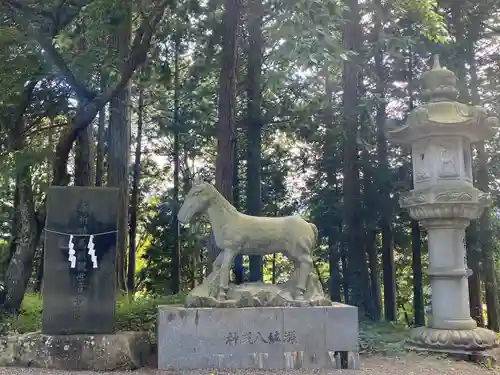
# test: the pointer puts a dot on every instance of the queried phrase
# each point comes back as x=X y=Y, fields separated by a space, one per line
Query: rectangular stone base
x=258 y=338
x=109 y=352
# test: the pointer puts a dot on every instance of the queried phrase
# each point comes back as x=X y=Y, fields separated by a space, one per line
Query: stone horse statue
x=236 y=233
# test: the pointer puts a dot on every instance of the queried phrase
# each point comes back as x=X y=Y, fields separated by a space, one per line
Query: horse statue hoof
x=299 y=297
x=222 y=296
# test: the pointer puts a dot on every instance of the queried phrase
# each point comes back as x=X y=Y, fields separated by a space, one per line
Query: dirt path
x=407 y=365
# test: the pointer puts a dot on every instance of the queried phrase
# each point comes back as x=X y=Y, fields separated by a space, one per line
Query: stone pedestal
x=450 y=328
x=448 y=274
x=258 y=338
x=119 y=351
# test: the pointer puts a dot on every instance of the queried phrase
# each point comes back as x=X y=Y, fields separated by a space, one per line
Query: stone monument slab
x=319 y=337
x=79 y=265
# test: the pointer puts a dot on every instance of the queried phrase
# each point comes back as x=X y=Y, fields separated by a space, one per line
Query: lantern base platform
x=454 y=342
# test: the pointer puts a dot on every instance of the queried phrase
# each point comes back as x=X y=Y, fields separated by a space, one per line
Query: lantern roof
x=442 y=114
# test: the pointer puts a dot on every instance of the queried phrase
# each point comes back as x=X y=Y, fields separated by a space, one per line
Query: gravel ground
x=408 y=365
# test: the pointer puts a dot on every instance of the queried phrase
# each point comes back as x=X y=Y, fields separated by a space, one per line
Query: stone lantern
x=444 y=201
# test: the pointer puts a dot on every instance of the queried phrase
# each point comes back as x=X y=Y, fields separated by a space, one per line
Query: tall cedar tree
x=390 y=311
x=119 y=137
x=416 y=243
x=225 y=128
x=134 y=195
x=254 y=122
x=357 y=266
x=176 y=254
x=457 y=64
x=483 y=180
x=331 y=169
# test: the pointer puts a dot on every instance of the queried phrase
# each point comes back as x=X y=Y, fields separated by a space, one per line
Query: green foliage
x=382 y=338
x=154 y=277
x=137 y=315
x=303 y=135
x=141 y=314
x=427 y=17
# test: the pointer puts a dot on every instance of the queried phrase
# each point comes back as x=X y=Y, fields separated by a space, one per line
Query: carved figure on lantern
x=448 y=163
x=421 y=157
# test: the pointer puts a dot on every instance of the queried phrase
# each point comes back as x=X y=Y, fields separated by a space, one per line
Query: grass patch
x=137 y=315
x=141 y=314
x=382 y=338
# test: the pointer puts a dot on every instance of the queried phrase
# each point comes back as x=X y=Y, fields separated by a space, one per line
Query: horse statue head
x=196 y=201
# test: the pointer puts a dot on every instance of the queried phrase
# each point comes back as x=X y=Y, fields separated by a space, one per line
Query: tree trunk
x=101 y=140
x=457 y=64
x=239 y=271
x=84 y=158
x=416 y=243
x=370 y=235
x=176 y=251
x=225 y=128
x=333 y=193
x=357 y=269
x=16 y=225
x=37 y=287
x=384 y=184
x=371 y=250
x=15 y=229
x=254 y=125
x=485 y=233
x=119 y=140
x=134 y=196
x=333 y=262
x=20 y=266
x=418 y=295
x=345 y=274
x=24 y=242
x=84 y=141
x=192 y=243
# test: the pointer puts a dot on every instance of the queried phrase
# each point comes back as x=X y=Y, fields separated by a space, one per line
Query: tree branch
x=81 y=91
x=138 y=53
x=87 y=112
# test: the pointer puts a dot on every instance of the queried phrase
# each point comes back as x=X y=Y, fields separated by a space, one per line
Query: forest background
x=284 y=105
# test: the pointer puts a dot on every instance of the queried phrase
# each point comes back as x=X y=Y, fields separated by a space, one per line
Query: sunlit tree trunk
x=384 y=185
x=134 y=196
x=485 y=232
x=119 y=138
x=331 y=166
x=225 y=128
x=416 y=242
x=21 y=261
x=176 y=251
x=254 y=122
x=457 y=63
x=101 y=139
x=358 y=270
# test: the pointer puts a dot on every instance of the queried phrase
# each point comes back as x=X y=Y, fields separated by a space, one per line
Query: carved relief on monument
x=421 y=155
x=449 y=167
x=449 y=162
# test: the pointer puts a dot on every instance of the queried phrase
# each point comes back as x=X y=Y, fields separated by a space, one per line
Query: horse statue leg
x=305 y=263
x=225 y=268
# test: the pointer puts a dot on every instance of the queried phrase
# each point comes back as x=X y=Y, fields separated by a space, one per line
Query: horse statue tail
x=315 y=231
